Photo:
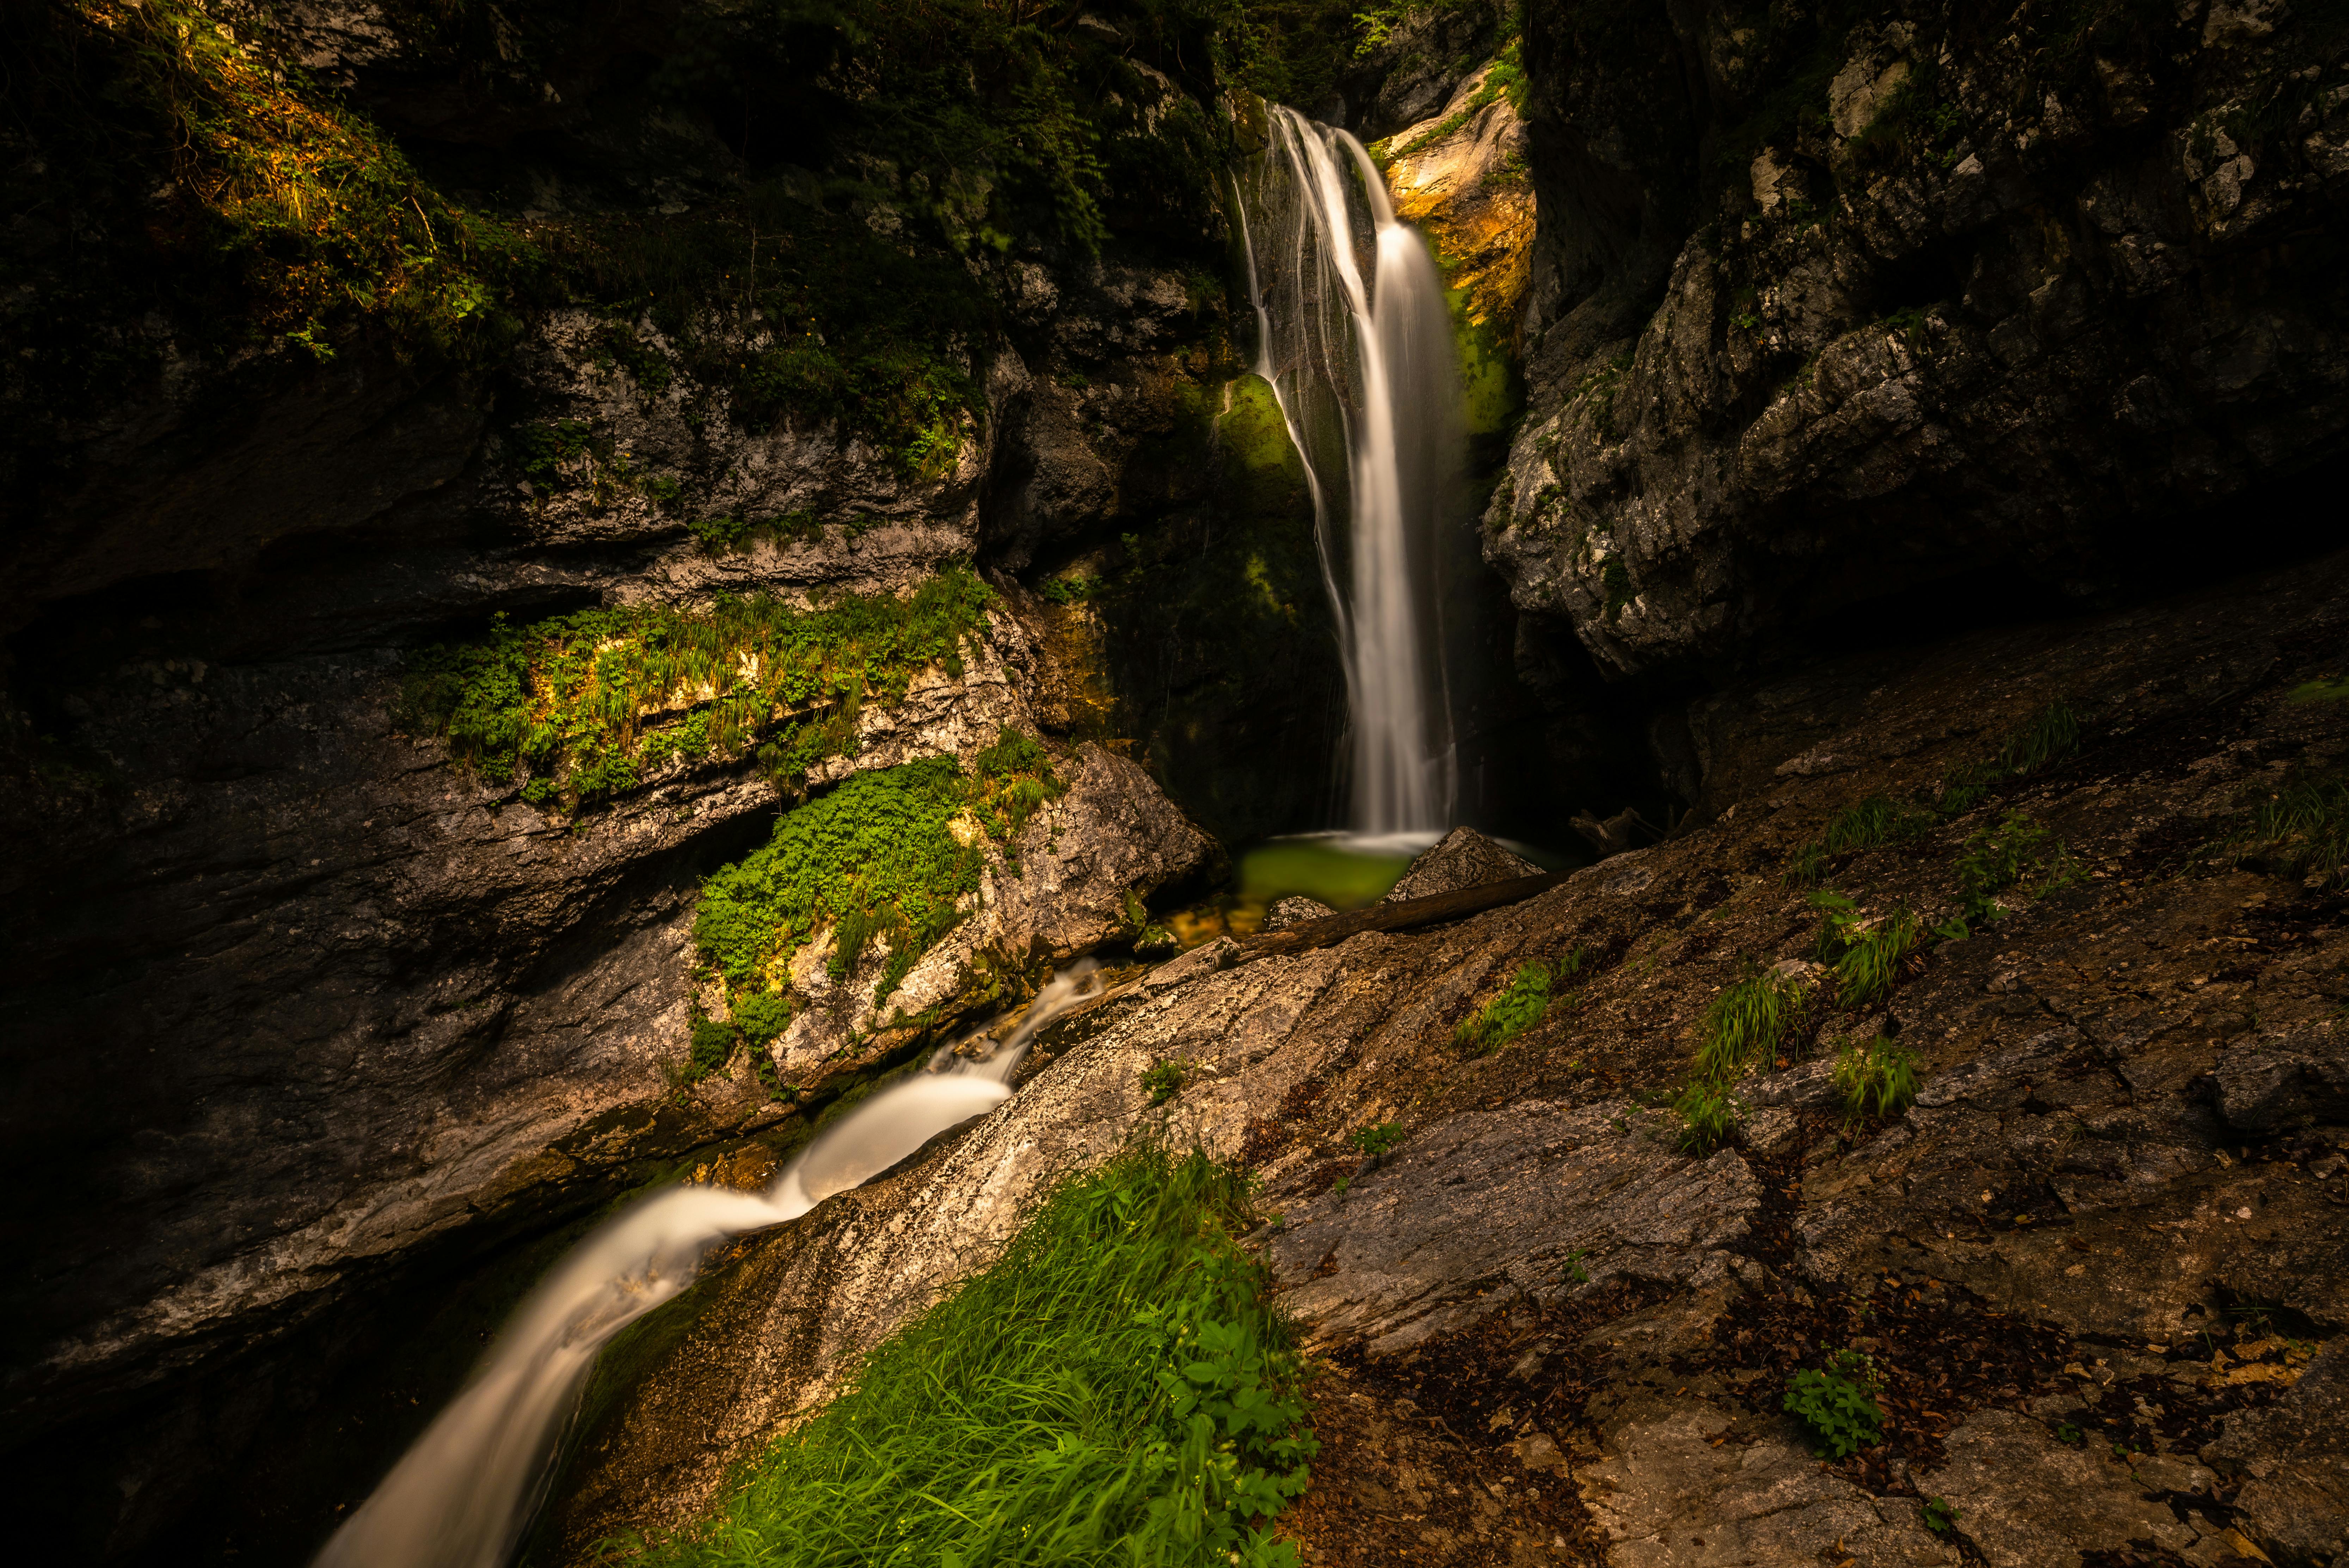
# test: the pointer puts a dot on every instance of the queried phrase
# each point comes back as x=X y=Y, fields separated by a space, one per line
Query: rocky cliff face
x=1833 y=304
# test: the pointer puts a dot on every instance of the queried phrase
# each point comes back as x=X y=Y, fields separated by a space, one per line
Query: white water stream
x=1367 y=379
x=464 y=1494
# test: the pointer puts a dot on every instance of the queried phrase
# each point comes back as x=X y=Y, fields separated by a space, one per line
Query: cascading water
x=464 y=1494
x=1366 y=375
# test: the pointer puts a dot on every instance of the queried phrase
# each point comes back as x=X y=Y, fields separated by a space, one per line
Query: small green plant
x=2045 y=740
x=1866 y=954
x=1744 y=1025
x=2303 y=828
x=1338 y=1188
x=1938 y=1515
x=1876 y=1078
x=2332 y=688
x=1571 y=1265
x=1163 y=1081
x=1376 y=1140
x=1071 y=590
x=1521 y=1005
x=1709 y=1115
x=1838 y=1403
x=2066 y=1432
x=2014 y=851
x=1119 y=1388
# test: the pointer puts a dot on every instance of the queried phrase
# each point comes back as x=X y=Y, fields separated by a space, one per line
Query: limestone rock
x=1294 y=909
x=1464 y=858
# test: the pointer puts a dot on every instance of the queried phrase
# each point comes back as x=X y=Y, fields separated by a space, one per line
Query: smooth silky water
x=464 y=1494
x=1362 y=361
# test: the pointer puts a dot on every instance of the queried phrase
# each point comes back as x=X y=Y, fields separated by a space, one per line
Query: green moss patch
x=1117 y=1390
x=582 y=706
x=875 y=859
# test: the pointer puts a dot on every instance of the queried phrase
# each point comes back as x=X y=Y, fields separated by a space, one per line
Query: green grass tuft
x=1873 y=823
x=1117 y=1391
x=1377 y=1140
x=2303 y=828
x=1876 y=1078
x=2046 y=738
x=2013 y=852
x=1744 y=1024
x=1708 y=1115
x=1163 y=1081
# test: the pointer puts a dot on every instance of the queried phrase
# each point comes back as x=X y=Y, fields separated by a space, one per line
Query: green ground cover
x=1118 y=1390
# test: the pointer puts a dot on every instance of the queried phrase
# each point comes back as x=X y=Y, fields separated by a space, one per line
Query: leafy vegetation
x=2014 y=851
x=2303 y=828
x=1838 y=1405
x=2049 y=737
x=1117 y=1390
x=1743 y=1026
x=1872 y=823
x=876 y=858
x=1377 y=1140
x=1163 y=1081
x=1875 y=1078
x=1521 y=1005
x=585 y=704
x=1866 y=954
x=1939 y=1515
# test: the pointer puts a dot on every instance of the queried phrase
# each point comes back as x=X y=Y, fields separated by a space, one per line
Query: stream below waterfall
x=464 y=1494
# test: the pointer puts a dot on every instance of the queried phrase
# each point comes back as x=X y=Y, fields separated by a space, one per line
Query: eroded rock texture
x=2099 y=1265
x=1831 y=306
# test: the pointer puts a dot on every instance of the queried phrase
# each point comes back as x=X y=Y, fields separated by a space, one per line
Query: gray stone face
x=1850 y=359
x=1464 y=857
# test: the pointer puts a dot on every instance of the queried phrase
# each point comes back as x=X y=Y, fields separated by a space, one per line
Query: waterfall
x=1365 y=374
x=465 y=1492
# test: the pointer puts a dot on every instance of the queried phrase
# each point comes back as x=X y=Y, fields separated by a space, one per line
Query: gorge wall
x=1809 y=346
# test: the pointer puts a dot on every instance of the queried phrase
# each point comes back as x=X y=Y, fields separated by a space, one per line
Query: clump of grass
x=1872 y=823
x=2303 y=828
x=2014 y=851
x=2049 y=737
x=1744 y=1024
x=1709 y=1114
x=1866 y=954
x=1838 y=1403
x=586 y=704
x=1522 y=1003
x=1876 y=1078
x=1163 y=1081
x=1743 y=1027
x=1118 y=1390
x=1377 y=1140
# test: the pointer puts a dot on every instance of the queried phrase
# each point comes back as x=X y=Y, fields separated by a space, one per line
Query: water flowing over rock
x=1362 y=360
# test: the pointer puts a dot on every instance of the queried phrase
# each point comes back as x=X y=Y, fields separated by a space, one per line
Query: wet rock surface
x=2101 y=1309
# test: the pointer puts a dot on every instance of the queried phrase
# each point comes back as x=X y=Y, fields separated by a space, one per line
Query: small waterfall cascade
x=1362 y=363
x=465 y=1492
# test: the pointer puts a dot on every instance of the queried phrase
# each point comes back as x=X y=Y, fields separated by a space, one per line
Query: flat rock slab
x=2029 y=1501
x=1684 y=1489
